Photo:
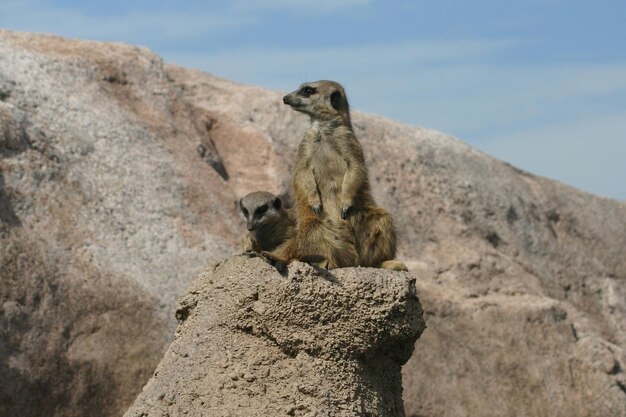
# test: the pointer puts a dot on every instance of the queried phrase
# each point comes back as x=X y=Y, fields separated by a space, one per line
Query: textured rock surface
x=118 y=182
x=254 y=343
x=107 y=212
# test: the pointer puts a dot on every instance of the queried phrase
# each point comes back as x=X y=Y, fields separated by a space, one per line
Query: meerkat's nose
x=286 y=99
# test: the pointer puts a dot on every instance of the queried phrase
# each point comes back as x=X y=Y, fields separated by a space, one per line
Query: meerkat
x=269 y=223
x=336 y=214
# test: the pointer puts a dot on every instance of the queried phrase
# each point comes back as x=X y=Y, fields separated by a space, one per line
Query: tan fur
x=268 y=223
x=337 y=217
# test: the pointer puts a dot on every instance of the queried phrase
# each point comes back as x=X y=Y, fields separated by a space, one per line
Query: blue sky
x=539 y=84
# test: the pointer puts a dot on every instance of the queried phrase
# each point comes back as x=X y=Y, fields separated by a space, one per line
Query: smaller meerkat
x=269 y=223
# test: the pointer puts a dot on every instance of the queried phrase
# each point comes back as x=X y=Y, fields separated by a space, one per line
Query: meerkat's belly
x=329 y=169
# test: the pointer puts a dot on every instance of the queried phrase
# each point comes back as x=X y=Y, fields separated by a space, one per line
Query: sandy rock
x=308 y=343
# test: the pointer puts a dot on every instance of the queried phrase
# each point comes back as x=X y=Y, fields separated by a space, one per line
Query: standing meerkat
x=336 y=214
x=269 y=223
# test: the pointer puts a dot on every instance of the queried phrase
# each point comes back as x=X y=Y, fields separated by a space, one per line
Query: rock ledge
x=310 y=343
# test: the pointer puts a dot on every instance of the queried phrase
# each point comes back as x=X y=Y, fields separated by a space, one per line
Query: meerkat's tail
x=394 y=265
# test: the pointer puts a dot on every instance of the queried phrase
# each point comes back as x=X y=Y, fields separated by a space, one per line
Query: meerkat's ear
x=241 y=204
x=278 y=203
x=335 y=100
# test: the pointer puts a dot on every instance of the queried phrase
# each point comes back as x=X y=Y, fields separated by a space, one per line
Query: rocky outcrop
x=118 y=181
x=310 y=343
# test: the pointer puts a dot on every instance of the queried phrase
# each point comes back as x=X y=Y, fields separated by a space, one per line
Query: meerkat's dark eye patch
x=307 y=91
x=335 y=100
x=260 y=210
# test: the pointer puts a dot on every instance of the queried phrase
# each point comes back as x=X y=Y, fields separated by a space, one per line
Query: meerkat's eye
x=307 y=91
x=261 y=210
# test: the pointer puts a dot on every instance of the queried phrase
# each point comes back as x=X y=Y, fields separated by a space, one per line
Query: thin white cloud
x=156 y=25
x=153 y=26
x=282 y=68
x=463 y=98
x=368 y=58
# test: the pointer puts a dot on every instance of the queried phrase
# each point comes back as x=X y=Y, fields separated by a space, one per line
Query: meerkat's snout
x=292 y=100
x=299 y=99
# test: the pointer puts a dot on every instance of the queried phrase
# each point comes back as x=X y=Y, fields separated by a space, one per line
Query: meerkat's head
x=260 y=208
x=322 y=100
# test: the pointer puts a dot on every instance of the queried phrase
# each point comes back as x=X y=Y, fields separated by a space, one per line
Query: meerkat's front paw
x=272 y=259
x=345 y=211
x=315 y=202
x=317 y=209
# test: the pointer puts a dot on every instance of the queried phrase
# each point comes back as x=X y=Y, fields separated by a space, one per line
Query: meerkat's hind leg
x=394 y=265
x=338 y=241
x=375 y=236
